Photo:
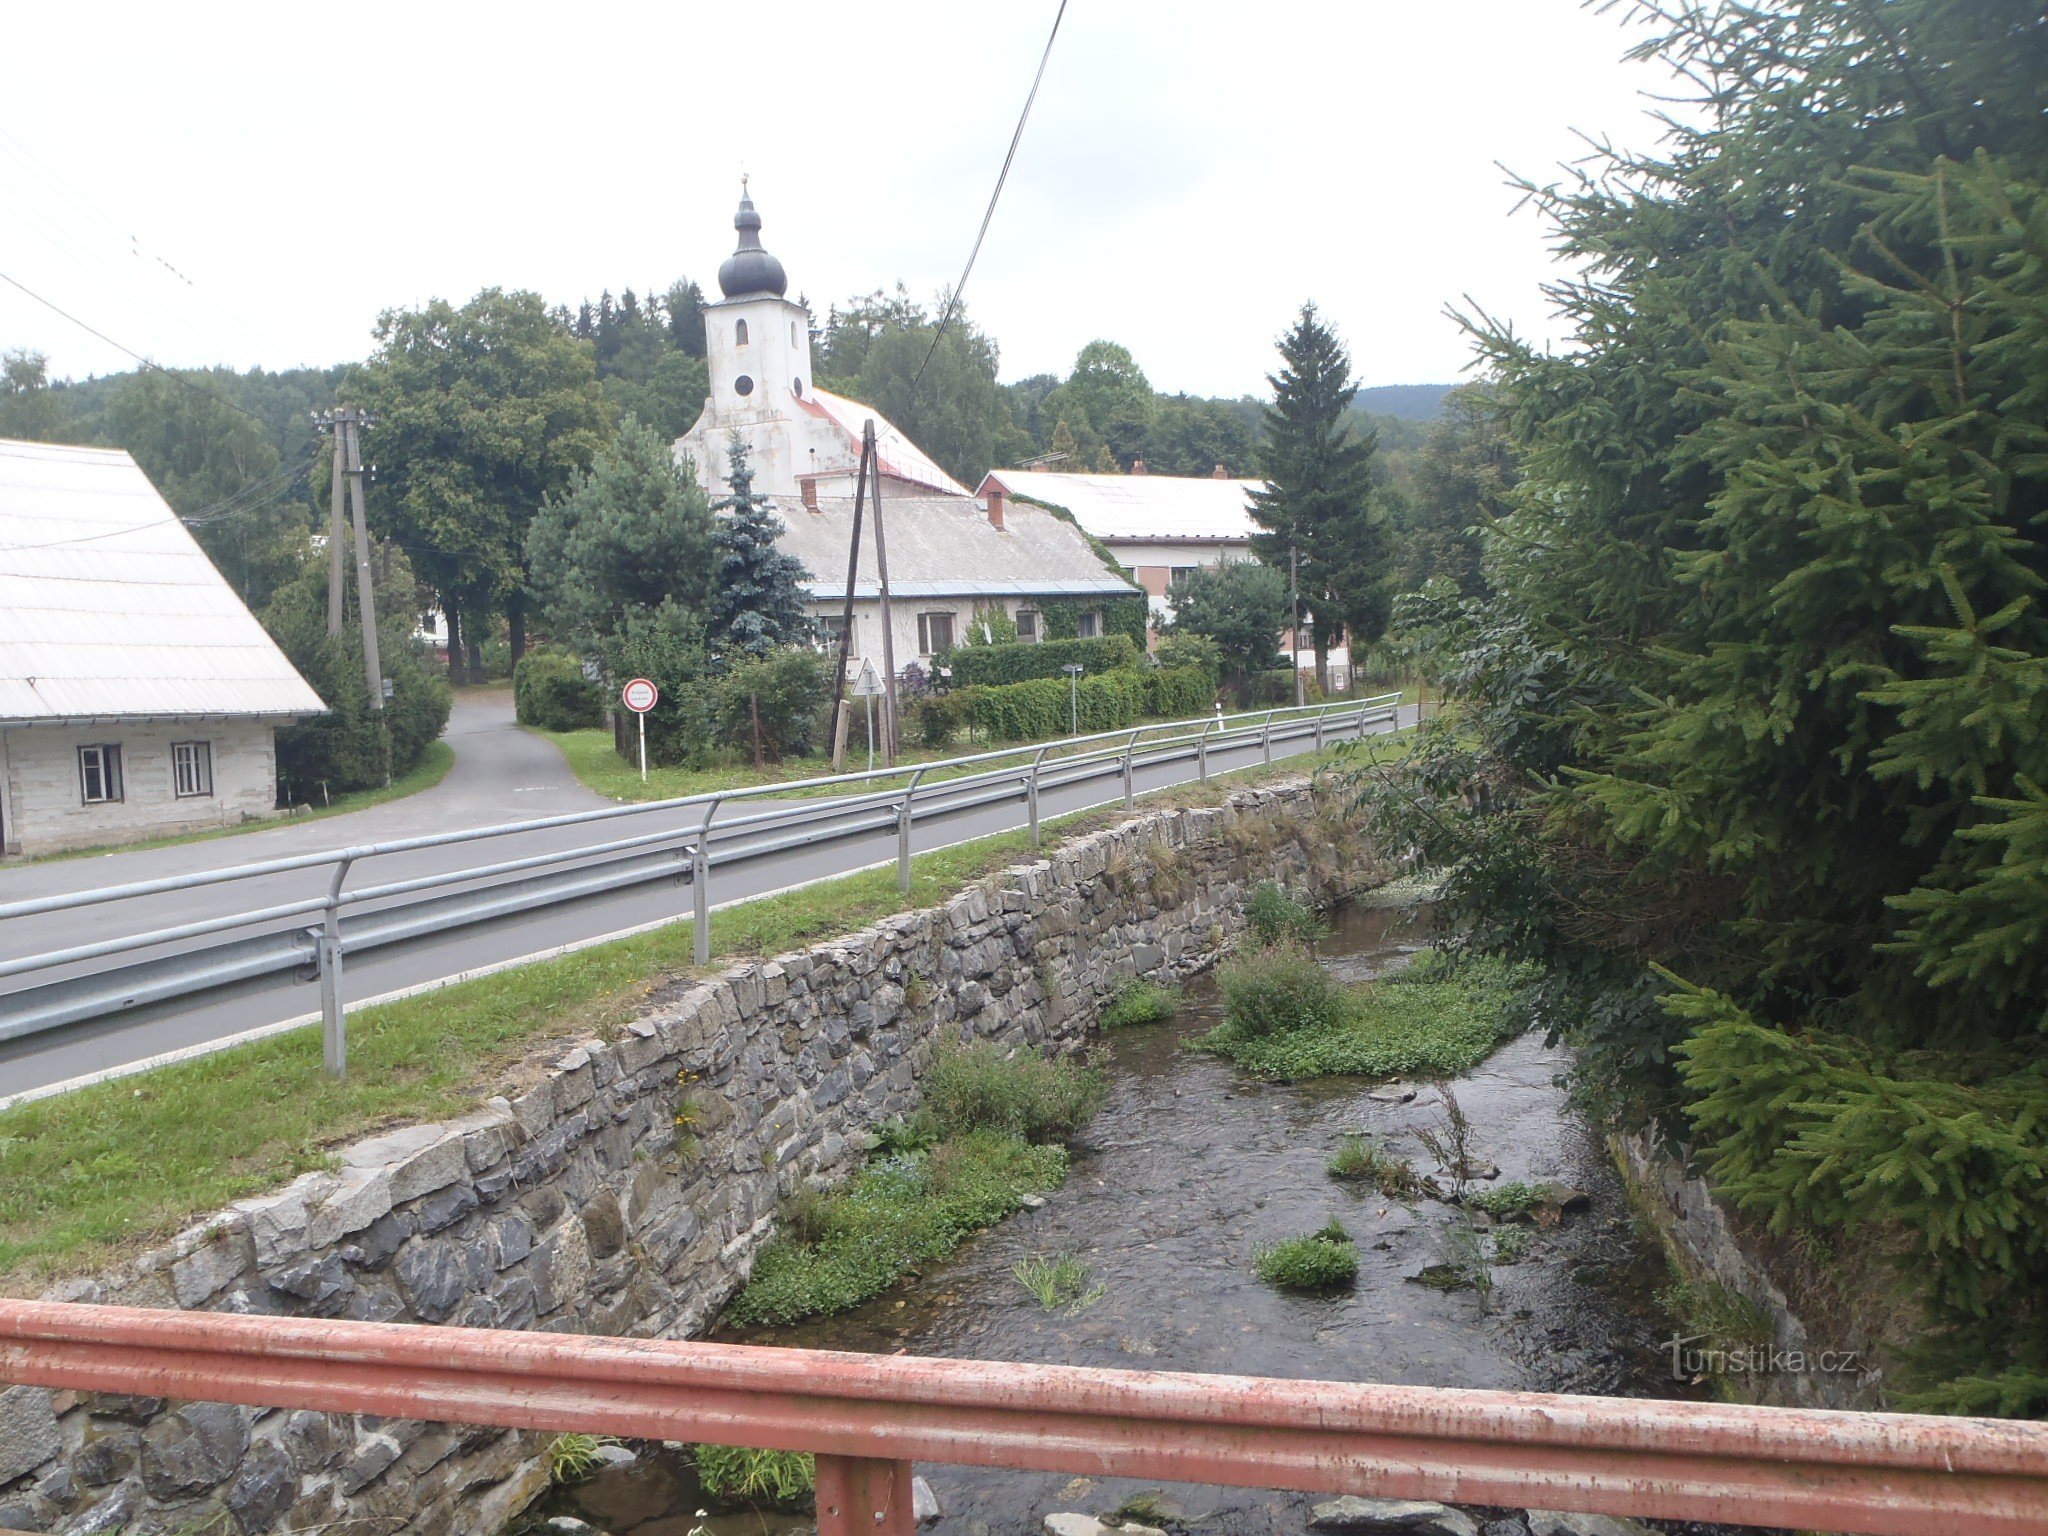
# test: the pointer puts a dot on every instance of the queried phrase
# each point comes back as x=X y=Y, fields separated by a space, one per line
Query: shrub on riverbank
x=1437 y=1018
x=1277 y=918
x=1139 y=1001
x=1026 y=1095
x=1321 y=1261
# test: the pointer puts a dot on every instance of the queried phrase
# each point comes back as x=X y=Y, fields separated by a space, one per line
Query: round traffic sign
x=640 y=695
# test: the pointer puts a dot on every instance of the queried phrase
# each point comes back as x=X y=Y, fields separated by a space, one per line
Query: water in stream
x=1189 y=1168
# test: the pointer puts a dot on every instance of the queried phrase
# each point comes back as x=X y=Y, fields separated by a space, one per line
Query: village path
x=501 y=774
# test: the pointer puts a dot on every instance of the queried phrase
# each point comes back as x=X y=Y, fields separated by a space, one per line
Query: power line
x=169 y=373
x=953 y=302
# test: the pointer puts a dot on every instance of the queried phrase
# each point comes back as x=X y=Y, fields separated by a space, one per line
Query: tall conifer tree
x=757 y=601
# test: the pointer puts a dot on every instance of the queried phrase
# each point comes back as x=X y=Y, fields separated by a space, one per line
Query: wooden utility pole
x=346 y=423
x=839 y=710
x=874 y=460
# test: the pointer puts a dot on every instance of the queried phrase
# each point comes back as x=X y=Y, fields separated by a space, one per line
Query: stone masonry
x=628 y=1192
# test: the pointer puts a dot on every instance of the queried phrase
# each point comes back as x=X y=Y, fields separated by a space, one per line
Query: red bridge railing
x=869 y=1416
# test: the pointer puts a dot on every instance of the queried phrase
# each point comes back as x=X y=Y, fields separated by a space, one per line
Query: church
x=953 y=558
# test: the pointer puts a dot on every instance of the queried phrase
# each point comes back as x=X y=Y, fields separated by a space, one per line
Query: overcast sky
x=251 y=184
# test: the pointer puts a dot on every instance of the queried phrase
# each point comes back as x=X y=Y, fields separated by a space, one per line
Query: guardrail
x=227 y=949
x=868 y=1417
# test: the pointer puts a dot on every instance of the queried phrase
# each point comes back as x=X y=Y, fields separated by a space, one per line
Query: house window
x=831 y=627
x=191 y=768
x=934 y=633
x=1089 y=625
x=99 y=774
x=739 y=332
x=1181 y=575
x=1027 y=624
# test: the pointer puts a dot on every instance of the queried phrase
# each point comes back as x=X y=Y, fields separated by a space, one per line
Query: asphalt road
x=500 y=775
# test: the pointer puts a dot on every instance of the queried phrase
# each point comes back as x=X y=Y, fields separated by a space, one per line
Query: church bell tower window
x=739 y=333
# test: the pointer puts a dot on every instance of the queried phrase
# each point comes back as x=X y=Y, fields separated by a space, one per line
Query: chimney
x=808 y=485
x=1138 y=467
x=1219 y=473
x=995 y=506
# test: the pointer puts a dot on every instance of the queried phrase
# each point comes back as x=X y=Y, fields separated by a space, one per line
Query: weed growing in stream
x=574 y=1456
x=1360 y=1159
x=1322 y=1261
x=778 y=1479
x=1505 y=1202
x=1057 y=1283
x=1275 y=917
x=1286 y=1019
x=1139 y=1001
x=1038 y=1098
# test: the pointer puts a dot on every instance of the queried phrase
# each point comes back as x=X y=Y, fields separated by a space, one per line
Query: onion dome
x=750 y=269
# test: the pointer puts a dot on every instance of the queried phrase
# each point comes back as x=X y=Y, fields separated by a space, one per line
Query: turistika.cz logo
x=1691 y=1359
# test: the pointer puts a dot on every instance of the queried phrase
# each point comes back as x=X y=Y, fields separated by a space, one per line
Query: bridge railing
x=869 y=1417
x=308 y=933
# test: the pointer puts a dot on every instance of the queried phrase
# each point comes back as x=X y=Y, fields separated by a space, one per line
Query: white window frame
x=105 y=758
x=1031 y=619
x=192 y=770
x=924 y=631
x=1088 y=625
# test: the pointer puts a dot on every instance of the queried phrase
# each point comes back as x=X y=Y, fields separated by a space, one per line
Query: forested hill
x=1404 y=402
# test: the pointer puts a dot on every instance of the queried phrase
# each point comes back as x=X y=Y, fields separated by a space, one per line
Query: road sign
x=640 y=695
x=867 y=685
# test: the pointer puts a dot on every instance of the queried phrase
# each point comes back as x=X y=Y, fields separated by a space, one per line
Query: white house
x=138 y=695
x=951 y=556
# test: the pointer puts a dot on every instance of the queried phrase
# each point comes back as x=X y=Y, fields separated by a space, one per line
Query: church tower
x=757 y=346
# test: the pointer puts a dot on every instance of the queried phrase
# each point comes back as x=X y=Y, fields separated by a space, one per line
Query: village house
x=952 y=557
x=138 y=694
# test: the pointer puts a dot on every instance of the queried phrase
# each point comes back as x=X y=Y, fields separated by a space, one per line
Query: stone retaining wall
x=629 y=1190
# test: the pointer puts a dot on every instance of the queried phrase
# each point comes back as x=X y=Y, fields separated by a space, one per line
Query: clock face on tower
x=743 y=385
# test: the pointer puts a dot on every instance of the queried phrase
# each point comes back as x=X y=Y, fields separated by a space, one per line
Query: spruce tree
x=757 y=598
x=1317 y=505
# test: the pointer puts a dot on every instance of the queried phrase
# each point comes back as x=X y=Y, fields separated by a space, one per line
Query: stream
x=1190 y=1167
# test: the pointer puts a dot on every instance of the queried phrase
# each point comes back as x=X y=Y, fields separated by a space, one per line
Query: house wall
x=904 y=611
x=45 y=811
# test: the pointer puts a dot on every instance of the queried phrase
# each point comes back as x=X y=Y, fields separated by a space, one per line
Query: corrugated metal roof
x=1141 y=508
x=944 y=546
x=900 y=456
x=110 y=610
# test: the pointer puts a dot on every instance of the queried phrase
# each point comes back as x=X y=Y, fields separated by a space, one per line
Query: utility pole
x=874 y=459
x=839 y=711
x=346 y=423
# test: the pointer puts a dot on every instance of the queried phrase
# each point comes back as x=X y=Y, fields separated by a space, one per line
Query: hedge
x=997 y=664
x=1179 y=693
x=549 y=690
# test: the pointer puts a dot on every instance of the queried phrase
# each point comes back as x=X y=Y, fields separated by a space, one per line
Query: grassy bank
x=430 y=770
x=1288 y=1019
x=110 y=1169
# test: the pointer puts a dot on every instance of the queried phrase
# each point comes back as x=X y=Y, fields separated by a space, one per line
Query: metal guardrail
x=228 y=949
x=868 y=1417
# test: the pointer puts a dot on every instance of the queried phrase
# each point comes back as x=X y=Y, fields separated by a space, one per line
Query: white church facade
x=952 y=557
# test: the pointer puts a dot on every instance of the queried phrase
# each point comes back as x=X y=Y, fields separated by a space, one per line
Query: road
x=507 y=775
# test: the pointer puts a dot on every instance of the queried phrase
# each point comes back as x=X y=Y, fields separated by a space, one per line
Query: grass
x=1139 y=1001
x=1511 y=1244
x=1277 y=918
x=1437 y=1018
x=981 y=1087
x=573 y=1457
x=107 y=1170
x=780 y=1479
x=430 y=770
x=1359 y=1159
x=1321 y=1261
x=1505 y=1202
x=1059 y=1283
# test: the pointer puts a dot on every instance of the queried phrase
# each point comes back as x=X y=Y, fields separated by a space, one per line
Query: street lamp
x=1073 y=669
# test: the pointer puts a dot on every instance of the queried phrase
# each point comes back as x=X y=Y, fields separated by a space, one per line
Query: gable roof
x=1147 y=508
x=945 y=546
x=110 y=610
x=901 y=458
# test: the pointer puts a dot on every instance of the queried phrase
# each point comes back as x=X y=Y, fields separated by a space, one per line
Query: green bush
x=1139 y=1001
x=1018 y=663
x=779 y=1479
x=550 y=691
x=789 y=689
x=1322 y=1261
x=1275 y=917
x=981 y=1087
x=902 y=1209
x=1279 y=991
x=1179 y=693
